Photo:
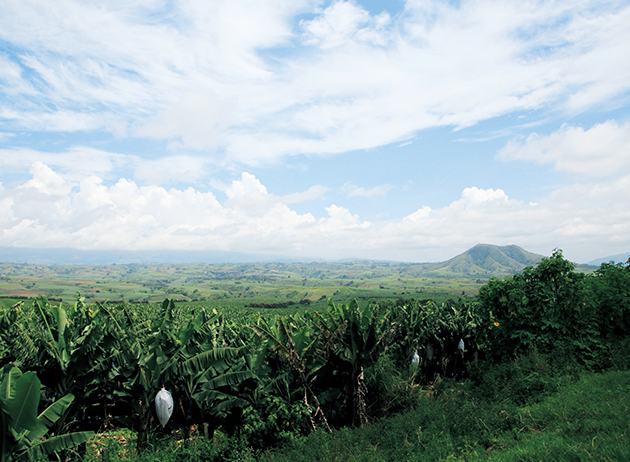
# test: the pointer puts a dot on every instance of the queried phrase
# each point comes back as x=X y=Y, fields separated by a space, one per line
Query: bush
x=273 y=422
x=542 y=308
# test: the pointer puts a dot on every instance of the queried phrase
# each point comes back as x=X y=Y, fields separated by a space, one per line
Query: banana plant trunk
x=318 y=414
x=359 y=395
x=144 y=426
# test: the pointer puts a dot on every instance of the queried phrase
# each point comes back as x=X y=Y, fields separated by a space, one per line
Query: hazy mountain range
x=619 y=258
x=121 y=257
x=482 y=260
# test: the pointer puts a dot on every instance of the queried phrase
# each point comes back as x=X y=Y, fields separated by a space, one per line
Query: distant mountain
x=121 y=257
x=481 y=261
x=619 y=258
x=486 y=260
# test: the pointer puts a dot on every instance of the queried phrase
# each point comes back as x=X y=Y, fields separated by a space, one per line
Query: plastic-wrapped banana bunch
x=164 y=405
x=429 y=349
x=415 y=360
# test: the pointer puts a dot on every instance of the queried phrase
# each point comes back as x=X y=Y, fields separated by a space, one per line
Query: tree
x=542 y=308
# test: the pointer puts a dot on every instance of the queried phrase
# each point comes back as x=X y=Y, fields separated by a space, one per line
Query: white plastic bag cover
x=461 y=345
x=415 y=360
x=164 y=405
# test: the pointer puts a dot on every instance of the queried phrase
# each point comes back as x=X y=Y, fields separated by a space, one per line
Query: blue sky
x=399 y=130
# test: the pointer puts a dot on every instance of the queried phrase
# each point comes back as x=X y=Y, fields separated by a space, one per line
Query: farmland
x=235 y=285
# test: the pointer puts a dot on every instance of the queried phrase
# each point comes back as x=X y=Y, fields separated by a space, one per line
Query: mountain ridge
x=482 y=260
x=619 y=258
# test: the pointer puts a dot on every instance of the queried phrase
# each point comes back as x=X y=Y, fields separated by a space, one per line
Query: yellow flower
x=496 y=324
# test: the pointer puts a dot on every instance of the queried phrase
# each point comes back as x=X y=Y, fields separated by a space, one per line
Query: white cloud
x=79 y=162
x=340 y=219
x=199 y=119
x=585 y=220
x=5 y=136
x=11 y=79
x=238 y=78
x=182 y=168
x=314 y=192
x=602 y=150
x=342 y=22
x=46 y=181
x=475 y=195
x=354 y=190
x=75 y=163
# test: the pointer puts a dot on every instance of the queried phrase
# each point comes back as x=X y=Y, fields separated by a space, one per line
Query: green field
x=234 y=285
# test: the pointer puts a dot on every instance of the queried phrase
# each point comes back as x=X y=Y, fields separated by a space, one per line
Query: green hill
x=486 y=260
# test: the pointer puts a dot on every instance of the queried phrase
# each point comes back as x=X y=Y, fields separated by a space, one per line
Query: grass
x=586 y=419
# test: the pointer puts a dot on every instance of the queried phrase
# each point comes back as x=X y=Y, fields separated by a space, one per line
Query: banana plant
x=411 y=336
x=214 y=380
x=17 y=331
x=23 y=430
x=137 y=362
x=70 y=341
x=364 y=339
x=305 y=349
x=176 y=351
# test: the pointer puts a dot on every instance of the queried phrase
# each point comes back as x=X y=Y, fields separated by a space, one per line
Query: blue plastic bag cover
x=164 y=405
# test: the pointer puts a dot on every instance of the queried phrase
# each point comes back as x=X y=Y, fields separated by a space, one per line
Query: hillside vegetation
x=485 y=260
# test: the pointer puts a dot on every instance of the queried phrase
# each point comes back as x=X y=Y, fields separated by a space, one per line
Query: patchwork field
x=238 y=285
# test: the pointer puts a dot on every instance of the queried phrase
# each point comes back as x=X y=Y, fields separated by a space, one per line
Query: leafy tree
x=541 y=308
x=608 y=292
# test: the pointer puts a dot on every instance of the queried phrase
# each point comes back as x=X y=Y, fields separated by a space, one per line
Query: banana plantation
x=70 y=372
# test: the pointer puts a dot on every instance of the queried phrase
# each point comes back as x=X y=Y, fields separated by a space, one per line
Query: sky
x=391 y=130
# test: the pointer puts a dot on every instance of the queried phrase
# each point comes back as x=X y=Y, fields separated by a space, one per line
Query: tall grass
x=587 y=420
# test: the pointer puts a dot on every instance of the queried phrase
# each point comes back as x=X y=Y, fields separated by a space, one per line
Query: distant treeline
x=305 y=301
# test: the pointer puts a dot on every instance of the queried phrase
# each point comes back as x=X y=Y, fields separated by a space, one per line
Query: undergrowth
x=524 y=410
x=587 y=420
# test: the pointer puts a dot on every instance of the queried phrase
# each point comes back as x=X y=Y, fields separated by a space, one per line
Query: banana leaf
x=57 y=444
x=22 y=401
x=48 y=418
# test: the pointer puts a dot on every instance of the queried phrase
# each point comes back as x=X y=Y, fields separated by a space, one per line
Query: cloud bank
x=49 y=210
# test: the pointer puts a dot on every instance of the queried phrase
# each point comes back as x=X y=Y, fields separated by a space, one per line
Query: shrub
x=542 y=308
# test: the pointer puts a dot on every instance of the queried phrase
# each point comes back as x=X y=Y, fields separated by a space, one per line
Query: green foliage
x=391 y=389
x=528 y=378
x=366 y=333
x=273 y=422
x=23 y=430
x=542 y=308
x=256 y=380
x=587 y=420
x=434 y=332
x=608 y=293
